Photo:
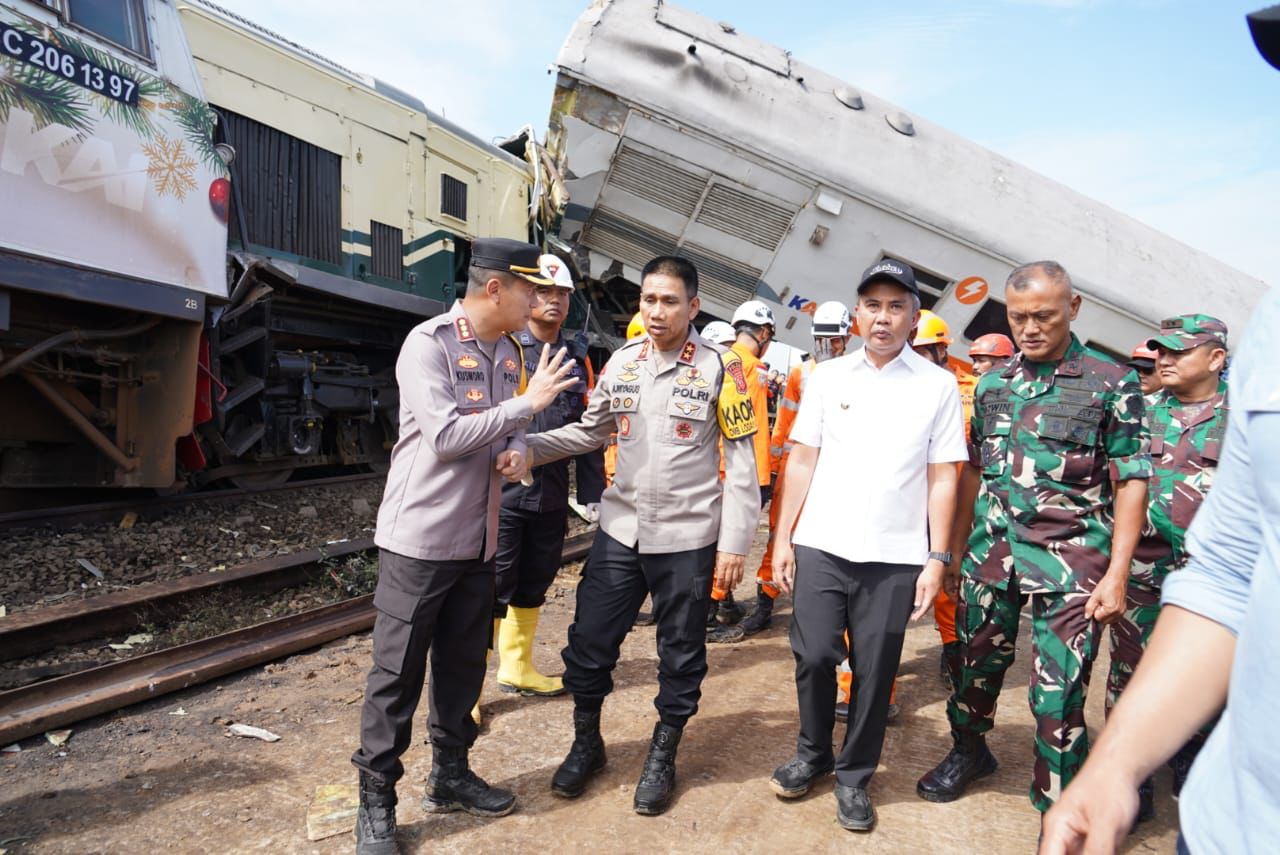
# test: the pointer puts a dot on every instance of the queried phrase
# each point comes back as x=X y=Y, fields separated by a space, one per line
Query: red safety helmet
x=991 y=344
x=1141 y=351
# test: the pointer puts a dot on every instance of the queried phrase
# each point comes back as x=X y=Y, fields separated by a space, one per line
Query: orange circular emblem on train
x=972 y=290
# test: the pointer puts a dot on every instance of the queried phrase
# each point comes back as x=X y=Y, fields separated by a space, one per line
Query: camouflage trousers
x=1129 y=637
x=1063 y=643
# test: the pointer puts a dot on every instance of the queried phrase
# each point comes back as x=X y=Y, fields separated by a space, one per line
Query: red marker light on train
x=220 y=199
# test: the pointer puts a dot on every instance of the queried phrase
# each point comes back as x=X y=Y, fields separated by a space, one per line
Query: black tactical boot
x=729 y=612
x=1146 y=802
x=969 y=760
x=376 y=820
x=453 y=786
x=586 y=756
x=794 y=778
x=658 y=780
x=759 y=619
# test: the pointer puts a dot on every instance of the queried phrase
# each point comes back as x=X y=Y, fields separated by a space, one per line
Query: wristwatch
x=944 y=557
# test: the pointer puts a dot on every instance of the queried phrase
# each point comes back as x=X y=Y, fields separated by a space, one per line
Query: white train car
x=675 y=133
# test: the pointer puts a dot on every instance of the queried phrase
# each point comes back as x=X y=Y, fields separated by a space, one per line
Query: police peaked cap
x=509 y=256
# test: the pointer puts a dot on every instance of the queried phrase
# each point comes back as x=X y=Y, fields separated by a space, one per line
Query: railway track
x=68 y=516
x=38 y=707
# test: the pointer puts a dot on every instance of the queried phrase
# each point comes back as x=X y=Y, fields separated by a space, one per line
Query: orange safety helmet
x=1141 y=351
x=931 y=329
x=991 y=344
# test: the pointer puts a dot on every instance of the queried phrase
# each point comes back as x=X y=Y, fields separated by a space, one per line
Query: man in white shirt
x=893 y=418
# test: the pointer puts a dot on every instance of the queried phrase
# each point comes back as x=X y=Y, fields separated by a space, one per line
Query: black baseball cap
x=510 y=256
x=890 y=270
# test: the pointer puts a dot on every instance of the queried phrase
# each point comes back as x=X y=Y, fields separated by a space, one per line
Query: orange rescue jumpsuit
x=758 y=391
x=944 y=608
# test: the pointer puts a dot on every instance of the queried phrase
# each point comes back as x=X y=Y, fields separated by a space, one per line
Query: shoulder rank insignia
x=463 y=328
x=466 y=360
x=733 y=409
x=687 y=353
x=644 y=350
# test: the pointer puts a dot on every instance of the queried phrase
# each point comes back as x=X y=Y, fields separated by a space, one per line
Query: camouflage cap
x=1183 y=332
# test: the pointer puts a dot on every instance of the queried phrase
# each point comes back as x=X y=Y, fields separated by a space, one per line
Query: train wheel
x=261 y=480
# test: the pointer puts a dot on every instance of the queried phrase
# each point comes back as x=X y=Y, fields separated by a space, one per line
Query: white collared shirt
x=876 y=430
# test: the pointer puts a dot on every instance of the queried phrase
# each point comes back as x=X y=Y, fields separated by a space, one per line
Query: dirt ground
x=164 y=776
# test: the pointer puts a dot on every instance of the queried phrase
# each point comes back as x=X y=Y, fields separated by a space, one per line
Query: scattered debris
x=11 y=749
x=133 y=641
x=58 y=737
x=252 y=732
x=332 y=811
x=128 y=520
x=3 y=611
x=88 y=565
x=308 y=512
x=358 y=696
x=178 y=711
x=362 y=507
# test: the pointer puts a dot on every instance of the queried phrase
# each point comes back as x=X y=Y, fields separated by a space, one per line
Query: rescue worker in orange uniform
x=753 y=328
x=932 y=339
x=990 y=351
x=1143 y=361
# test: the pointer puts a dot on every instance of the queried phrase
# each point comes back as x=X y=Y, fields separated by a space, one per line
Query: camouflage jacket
x=1049 y=439
x=1184 y=457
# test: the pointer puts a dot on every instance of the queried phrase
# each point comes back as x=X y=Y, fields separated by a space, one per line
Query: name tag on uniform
x=624 y=397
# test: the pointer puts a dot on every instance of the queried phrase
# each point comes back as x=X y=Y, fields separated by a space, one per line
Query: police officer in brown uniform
x=462 y=419
x=668 y=525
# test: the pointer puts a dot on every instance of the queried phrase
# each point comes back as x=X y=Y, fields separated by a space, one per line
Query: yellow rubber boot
x=515 y=656
x=475 y=711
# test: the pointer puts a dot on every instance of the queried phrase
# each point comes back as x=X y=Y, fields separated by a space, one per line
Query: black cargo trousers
x=443 y=608
x=615 y=580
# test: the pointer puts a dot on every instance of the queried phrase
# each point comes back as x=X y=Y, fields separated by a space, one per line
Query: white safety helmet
x=832 y=318
x=719 y=332
x=551 y=267
x=753 y=312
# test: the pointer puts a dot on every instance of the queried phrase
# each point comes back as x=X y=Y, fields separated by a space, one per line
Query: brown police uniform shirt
x=458 y=411
x=669 y=412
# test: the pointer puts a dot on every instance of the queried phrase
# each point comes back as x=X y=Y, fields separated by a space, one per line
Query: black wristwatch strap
x=944 y=557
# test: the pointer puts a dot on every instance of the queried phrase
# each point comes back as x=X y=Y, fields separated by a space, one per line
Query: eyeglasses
x=1145 y=372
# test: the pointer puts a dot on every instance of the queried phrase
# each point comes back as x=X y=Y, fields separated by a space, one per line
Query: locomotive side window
x=931 y=285
x=991 y=318
x=119 y=21
x=453 y=197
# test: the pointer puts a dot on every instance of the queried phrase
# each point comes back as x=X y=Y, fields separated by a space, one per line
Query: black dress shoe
x=853 y=809
x=794 y=778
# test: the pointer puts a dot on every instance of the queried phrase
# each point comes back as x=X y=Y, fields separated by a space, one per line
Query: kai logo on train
x=971 y=290
x=466 y=360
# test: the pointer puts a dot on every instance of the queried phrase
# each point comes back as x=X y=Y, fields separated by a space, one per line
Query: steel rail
x=32 y=632
x=100 y=512
x=42 y=706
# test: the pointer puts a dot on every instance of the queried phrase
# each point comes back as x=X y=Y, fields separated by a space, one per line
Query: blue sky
x=1160 y=108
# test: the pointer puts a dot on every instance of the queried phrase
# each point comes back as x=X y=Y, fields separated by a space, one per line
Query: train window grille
x=122 y=22
x=991 y=318
x=931 y=286
x=388 y=251
x=291 y=191
x=453 y=197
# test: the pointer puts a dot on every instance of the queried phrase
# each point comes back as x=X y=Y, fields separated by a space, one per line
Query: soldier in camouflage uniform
x=1058 y=462
x=1187 y=420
